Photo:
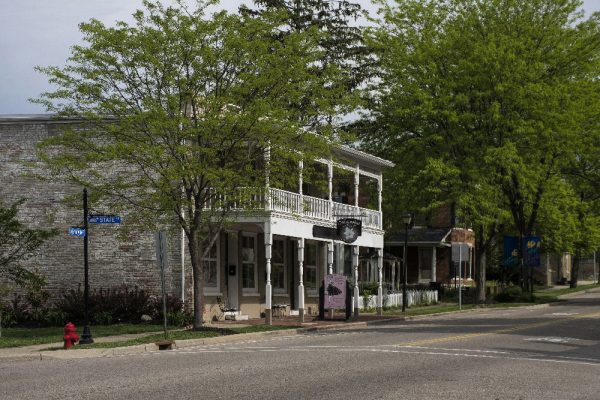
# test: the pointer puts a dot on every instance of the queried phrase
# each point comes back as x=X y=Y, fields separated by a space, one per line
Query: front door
x=232 y=271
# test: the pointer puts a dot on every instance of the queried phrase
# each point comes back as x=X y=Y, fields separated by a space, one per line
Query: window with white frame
x=310 y=267
x=210 y=264
x=249 y=273
x=278 y=270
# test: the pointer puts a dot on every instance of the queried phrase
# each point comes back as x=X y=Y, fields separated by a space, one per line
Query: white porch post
x=356 y=182
x=267 y=181
x=300 y=279
x=470 y=263
x=433 y=264
x=379 y=191
x=356 y=291
x=300 y=182
x=330 y=267
x=268 y=286
x=380 y=288
x=330 y=187
x=330 y=257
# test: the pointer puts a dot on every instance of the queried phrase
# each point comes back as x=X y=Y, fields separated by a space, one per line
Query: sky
x=40 y=33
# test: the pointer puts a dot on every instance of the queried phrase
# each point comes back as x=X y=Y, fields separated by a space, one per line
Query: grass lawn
x=183 y=335
x=16 y=337
x=541 y=297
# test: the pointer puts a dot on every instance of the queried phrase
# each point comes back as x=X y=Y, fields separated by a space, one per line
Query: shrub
x=54 y=317
x=179 y=318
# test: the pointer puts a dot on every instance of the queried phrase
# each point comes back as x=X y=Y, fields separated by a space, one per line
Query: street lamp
x=406 y=218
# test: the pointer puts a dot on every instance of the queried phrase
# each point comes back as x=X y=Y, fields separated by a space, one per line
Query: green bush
x=54 y=317
x=179 y=318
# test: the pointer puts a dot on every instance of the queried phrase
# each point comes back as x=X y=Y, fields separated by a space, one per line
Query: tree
x=17 y=244
x=494 y=94
x=342 y=43
x=181 y=110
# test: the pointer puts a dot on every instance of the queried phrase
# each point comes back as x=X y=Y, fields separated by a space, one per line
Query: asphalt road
x=526 y=353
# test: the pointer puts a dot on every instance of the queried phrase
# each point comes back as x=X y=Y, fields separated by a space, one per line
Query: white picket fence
x=414 y=297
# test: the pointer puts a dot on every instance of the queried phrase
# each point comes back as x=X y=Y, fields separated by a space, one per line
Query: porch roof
x=420 y=237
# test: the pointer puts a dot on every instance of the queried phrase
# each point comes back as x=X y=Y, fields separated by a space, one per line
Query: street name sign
x=75 y=231
x=104 y=219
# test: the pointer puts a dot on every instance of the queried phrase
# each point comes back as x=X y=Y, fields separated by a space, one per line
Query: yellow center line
x=466 y=336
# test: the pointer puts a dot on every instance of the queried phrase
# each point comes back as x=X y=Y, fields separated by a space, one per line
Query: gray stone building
x=115 y=260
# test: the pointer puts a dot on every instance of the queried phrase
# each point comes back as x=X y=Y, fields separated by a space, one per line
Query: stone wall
x=115 y=258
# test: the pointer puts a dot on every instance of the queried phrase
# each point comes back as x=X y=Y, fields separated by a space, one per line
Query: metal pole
x=86 y=337
x=404 y=268
x=595 y=270
x=460 y=276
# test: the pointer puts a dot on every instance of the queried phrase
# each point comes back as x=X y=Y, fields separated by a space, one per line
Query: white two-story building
x=276 y=260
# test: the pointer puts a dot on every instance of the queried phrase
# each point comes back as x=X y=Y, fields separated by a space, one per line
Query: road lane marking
x=467 y=336
x=432 y=351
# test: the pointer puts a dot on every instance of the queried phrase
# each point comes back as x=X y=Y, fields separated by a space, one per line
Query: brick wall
x=115 y=258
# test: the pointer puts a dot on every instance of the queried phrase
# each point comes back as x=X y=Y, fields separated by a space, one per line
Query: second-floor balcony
x=298 y=205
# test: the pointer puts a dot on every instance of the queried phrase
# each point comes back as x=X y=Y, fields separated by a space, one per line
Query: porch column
x=330 y=257
x=379 y=199
x=330 y=186
x=300 y=182
x=356 y=291
x=330 y=267
x=267 y=182
x=433 y=264
x=380 y=288
x=470 y=263
x=268 y=286
x=394 y=276
x=356 y=182
x=300 y=279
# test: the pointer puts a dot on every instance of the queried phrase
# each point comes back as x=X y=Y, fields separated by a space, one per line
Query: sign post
x=161 y=258
x=86 y=336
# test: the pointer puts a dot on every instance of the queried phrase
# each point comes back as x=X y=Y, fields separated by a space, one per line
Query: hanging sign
x=335 y=291
x=349 y=229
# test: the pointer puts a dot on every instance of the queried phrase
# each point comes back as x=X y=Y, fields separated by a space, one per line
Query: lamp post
x=406 y=218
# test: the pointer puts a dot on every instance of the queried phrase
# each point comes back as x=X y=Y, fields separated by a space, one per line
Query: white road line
x=487 y=354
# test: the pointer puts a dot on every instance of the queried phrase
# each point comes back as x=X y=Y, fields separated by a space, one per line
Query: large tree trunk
x=198 y=279
x=480 y=278
x=575 y=269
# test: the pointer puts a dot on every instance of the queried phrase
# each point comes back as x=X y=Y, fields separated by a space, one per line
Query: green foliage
x=491 y=104
x=194 y=104
x=179 y=318
x=17 y=244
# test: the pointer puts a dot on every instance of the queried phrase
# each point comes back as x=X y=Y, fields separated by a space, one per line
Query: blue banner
x=511 y=251
x=531 y=251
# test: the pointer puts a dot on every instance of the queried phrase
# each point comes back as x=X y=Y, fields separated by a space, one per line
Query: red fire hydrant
x=71 y=337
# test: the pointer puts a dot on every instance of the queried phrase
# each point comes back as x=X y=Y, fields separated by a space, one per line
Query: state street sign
x=335 y=291
x=104 y=219
x=75 y=231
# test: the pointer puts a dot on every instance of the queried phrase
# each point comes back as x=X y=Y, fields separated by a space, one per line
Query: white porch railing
x=296 y=204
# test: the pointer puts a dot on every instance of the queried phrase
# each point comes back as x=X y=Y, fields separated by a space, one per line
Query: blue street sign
x=75 y=231
x=104 y=219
